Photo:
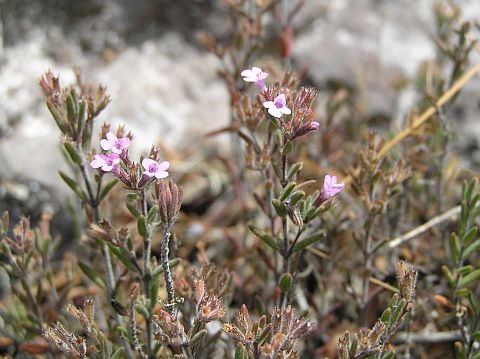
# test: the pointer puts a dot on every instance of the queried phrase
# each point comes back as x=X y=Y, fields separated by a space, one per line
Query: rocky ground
x=164 y=86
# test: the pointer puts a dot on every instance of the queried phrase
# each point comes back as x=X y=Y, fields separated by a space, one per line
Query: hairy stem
x=167 y=273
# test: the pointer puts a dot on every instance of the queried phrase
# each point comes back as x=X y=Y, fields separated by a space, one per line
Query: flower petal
x=256 y=70
x=285 y=110
x=96 y=163
x=247 y=73
x=111 y=138
x=106 y=145
x=163 y=166
x=147 y=162
x=275 y=112
x=268 y=104
x=107 y=168
x=124 y=142
x=161 y=174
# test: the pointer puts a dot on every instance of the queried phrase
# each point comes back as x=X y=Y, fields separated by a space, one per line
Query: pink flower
x=255 y=75
x=331 y=187
x=114 y=144
x=314 y=125
x=107 y=163
x=278 y=106
x=153 y=168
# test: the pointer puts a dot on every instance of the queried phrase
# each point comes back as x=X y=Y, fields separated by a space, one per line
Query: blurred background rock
x=164 y=86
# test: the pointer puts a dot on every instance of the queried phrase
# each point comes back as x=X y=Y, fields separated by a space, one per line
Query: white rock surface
x=163 y=89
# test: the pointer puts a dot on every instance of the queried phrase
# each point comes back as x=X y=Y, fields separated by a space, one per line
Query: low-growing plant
x=299 y=250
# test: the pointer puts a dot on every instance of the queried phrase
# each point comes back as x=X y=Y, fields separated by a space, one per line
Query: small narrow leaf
x=285 y=282
x=469 y=236
x=197 y=338
x=133 y=210
x=92 y=274
x=448 y=274
x=307 y=242
x=296 y=197
x=472 y=248
x=469 y=278
x=286 y=191
x=74 y=186
x=73 y=153
x=107 y=188
x=455 y=247
x=297 y=167
x=266 y=238
x=142 y=226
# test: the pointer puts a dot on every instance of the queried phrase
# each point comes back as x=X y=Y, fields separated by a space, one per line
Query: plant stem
x=147 y=276
x=110 y=276
x=167 y=273
x=285 y=249
x=366 y=277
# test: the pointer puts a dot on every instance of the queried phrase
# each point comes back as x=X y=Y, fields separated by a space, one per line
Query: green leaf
x=92 y=274
x=132 y=196
x=276 y=168
x=465 y=269
x=389 y=355
x=463 y=292
x=72 y=107
x=105 y=346
x=386 y=315
x=119 y=354
x=141 y=309
x=279 y=207
x=264 y=334
x=472 y=248
x=398 y=312
x=287 y=148
x=241 y=352
x=266 y=238
x=469 y=236
x=469 y=278
x=142 y=226
x=307 y=242
x=285 y=282
x=81 y=116
x=353 y=347
x=133 y=210
x=171 y=263
x=296 y=197
x=154 y=285
x=297 y=167
x=125 y=257
x=74 y=186
x=448 y=274
x=107 y=188
x=153 y=214
x=58 y=117
x=197 y=338
x=73 y=153
x=286 y=191
x=455 y=247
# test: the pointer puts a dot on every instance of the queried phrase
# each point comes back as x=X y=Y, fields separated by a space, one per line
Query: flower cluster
x=298 y=121
x=117 y=160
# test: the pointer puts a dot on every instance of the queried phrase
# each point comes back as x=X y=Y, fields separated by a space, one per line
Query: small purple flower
x=107 y=163
x=153 y=168
x=278 y=106
x=256 y=75
x=114 y=144
x=331 y=187
x=314 y=125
